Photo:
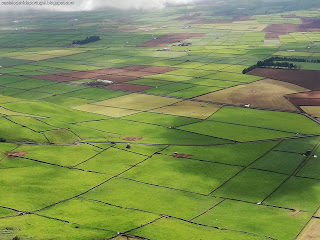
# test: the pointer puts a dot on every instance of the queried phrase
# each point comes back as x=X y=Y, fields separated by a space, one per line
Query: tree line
x=87 y=40
x=279 y=62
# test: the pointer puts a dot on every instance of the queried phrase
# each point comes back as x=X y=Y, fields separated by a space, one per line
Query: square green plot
x=234 y=132
x=165 y=229
x=250 y=185
x=184 y=174
x=168 y=77
x=297 y=193
x=159 y=200
x=161 y=119
x=59 y=88
x=95 y=94
x=282 y=162
x=149 y=82
x=167 y=89
x=112 y=161
x=30 y=84
x=99 y=215
x=104 y=110
x=68 y=155
x=283 y=121
x=12 y=132
x=46 y=185
x=214 y=66
x=136 y=101
x=61 y=136
x=190 y=72
x=312 y=167
x=31 y=95
x=31 y=123
x=214 y=83
x=236 y=154
x=193 y=91
x=298 y=145
x=261 y=220
x=67 y=101
x=149 y=133
x=38 y=227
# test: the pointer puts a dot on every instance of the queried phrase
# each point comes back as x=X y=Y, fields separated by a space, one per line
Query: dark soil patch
x=137 y=73
x=181 y=155
x=135 y=67
x=12 y=155
x=128 y=87
x=80 y=75
x=132 y=139
x=308 y=25
x=304 y=78
x=271 y=36
x=311 y=98
x=170 y=38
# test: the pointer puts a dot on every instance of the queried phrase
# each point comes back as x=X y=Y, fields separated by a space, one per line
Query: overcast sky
x=87 y=5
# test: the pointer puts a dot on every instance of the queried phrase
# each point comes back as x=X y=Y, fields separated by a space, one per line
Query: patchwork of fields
x=153 y=132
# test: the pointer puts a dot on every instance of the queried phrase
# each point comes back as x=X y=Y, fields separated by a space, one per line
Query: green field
x=147 y=155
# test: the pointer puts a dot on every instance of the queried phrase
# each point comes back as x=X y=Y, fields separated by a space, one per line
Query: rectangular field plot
x=250 y=185
x=46 y=109
x=312 y=167
x=298 y=145
x=297 y=193
x=233 y=77
x=234 y=154
x=53 y=184
x=67 y=101
x=104 y=110
x=112 y=161
x=193 y=91
x=95 y=94
x=234 y=132
x=190 y=109
x=282 y=162
x=311 y=231
x=161 y=119
x=33 y=226
x=98 y=215
x=62 y=155
x=180 y=230
x=261 y=220
x=137 y=101
x=214 y=82
x=183 y=174
x=290 y=122
x=159 y=200
x=148 y=133
x=167 y=89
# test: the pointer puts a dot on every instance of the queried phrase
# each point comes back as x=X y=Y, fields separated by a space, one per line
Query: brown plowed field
x=117 y=75
x=271 y=36
x=311 y=98
x=304 y=78
x=308 y=25
x=128 y=87
x=170 y=38
x=265 y=94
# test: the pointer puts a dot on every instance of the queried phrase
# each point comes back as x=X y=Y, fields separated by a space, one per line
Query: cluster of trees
x=295 y=59
x=87 y=40
x=279 y=62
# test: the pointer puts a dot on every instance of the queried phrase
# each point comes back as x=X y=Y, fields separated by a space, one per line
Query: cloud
x=86 y=5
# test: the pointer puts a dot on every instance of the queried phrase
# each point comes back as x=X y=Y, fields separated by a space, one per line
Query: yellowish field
x=190 y=109
x=103 y=110
x=312 y=110
x=266 y=93
x=312 y=231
